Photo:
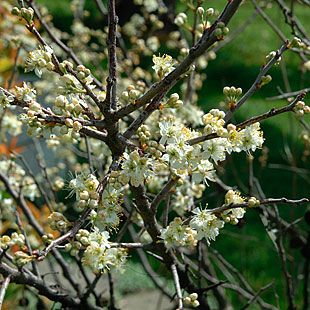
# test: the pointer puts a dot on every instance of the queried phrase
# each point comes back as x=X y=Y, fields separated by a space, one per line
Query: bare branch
x=111 y=80
x=3 y=289
x=289 y=95
x=271 y=113
x=177 y=286
x=269 y=201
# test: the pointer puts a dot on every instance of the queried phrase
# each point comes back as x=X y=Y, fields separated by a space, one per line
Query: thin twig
x=4 y=287
x=269 y=201
x=288 y=278
x=163 y=193
x=111 y=290
x=91 y=287
x=177 y=286
x=256 y=85
x=27 y=242
x=271 y=113
x=252 y=300
x=289 y=95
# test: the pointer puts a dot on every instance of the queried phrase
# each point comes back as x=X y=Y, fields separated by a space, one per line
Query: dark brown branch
x=70 y=234
x=111 y=80
x=20 y=201
x=271 y=113
x=111 y=291
x=49 y=117
x=27 y=279
x=91 y=287
x=163 y=193
x=254 y=119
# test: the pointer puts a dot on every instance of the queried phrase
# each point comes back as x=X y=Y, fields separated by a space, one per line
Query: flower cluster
x=109 y=209
x=233 y=215
x=135 y=169
x=191 y=300
x=5 y=100
x=163 y=65
x=18 y=179
x=206 y=224
x=85 y=190
x=57 y=221
x=9 y=241
x=25 y=93
x=98 y=254
x=39 y=59
x=177 y=234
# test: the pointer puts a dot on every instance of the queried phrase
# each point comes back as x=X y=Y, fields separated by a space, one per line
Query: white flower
x=98 y=255
x=101 y=238
x=84 y=187
x=234 y=214
x=39 y=59
x=214 y=121
x=150 y=5
x=180 y=19
x=135 y=169
x=204 y=170
x=25 y=93
x=5 y=100
x=153 y=43
x=175 y=156
x=177 y=234
x=207 y=225
x=214 y=149
x=12 y=125
x=163 y=65
x=169 y=132
x=252 y=137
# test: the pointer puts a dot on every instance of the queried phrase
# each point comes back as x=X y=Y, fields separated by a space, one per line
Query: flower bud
x=200 y=10
x=193 y=296
x=209 y=12
x=195 y=303
x=21 y=258
x=265 y=80
x=15 y=11
x=225 y=30
x=77 y=126
x=27 y=14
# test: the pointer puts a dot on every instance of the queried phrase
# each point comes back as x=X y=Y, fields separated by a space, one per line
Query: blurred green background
x=248 y=247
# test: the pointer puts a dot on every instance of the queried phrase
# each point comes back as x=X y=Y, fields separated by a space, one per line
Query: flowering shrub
x=139 y=156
